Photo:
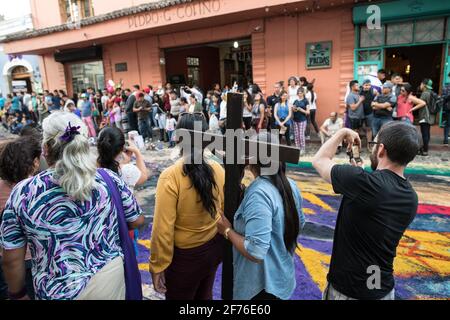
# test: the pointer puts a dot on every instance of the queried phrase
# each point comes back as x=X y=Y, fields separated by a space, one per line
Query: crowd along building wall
x=279 y=33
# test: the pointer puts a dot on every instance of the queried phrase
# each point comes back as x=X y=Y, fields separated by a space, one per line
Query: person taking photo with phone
x=375 y=211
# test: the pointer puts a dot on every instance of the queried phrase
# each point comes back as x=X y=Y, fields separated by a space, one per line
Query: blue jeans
x=170 y=134
x=153 y=114
x=377 y=123
x=145 y=129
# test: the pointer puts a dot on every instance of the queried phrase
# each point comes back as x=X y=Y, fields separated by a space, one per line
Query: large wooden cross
x=234 y=168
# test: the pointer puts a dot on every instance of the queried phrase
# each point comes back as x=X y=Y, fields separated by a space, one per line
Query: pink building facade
x=214 y=41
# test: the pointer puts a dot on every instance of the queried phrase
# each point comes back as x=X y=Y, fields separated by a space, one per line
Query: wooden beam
x=233 y=177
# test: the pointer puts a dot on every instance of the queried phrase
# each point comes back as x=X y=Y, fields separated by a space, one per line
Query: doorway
x=21 y=79
x=416 y=63
x=207 y=64
x=87 y=74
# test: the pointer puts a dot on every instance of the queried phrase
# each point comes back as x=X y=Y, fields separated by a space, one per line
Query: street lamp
x=236 y=44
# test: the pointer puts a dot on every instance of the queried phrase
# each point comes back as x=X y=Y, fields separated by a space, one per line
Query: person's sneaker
x=308 y=138
x=445 y=144
x=423 y=153
x=302 y=152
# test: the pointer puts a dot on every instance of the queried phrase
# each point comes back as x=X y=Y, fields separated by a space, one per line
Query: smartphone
x=356 y=154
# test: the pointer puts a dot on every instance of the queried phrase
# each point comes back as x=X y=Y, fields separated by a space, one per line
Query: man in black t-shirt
x=375 y=211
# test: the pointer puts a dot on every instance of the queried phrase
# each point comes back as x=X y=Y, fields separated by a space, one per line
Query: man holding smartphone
x=375 y=211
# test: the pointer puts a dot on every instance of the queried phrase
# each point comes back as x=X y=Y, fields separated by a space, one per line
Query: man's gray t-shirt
x=353 y=98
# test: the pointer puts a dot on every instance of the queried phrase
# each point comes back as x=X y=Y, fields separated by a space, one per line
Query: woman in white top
x=292 y=89
x=113 y=155
x=247 y=112
x=311 y=96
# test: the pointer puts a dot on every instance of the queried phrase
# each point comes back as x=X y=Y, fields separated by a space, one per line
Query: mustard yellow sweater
x=180 y=219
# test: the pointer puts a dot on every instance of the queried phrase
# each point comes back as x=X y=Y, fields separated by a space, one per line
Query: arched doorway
x=19 y=75
x=20 y=79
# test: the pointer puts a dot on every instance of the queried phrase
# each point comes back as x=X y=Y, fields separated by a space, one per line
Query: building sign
x=121 y=67
x=318 y=55
x=19 y=85
x=197 y=9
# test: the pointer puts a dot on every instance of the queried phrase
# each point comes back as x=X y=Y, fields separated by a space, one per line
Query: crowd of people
x=291 y=109
x=369 y=107
x=69 y=215
x=68 y=218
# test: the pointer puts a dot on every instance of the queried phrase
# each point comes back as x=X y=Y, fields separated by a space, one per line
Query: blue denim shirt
x=260 y=219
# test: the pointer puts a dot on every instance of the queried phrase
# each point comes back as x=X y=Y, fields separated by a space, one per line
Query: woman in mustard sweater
x=185 y=246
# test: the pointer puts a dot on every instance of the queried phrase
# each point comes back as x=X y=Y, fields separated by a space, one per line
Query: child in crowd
x=171 y=125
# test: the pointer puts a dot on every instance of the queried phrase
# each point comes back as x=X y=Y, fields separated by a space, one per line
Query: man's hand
x=351 y=137
x=357 y=164
x=323 y=160
x=159 y=282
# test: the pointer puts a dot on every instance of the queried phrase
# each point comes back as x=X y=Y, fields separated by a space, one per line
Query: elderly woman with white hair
x=70 y=220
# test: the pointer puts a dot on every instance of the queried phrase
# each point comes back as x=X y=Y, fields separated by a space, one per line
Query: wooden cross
x=234 y=169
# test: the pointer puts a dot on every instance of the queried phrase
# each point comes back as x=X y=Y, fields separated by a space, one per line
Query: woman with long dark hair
x=264 y=233
x=259 y=120
x=185 y=246
x=247 y=112
x=283 y=117
x=407 y=103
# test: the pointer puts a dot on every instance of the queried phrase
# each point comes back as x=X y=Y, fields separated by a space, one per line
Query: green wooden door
x=446 y=77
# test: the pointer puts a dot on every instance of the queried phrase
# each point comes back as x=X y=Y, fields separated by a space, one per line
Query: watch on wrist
x=227 y=231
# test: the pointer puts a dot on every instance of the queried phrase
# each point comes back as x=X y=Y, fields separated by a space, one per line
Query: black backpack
x=436 y=103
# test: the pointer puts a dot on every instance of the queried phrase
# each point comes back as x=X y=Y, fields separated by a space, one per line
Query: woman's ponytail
x=75 y=170
x=71 y=155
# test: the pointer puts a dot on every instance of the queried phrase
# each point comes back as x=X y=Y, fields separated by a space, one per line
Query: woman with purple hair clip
x=71 y=218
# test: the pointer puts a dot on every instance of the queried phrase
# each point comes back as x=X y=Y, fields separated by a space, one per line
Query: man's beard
x=373 y=161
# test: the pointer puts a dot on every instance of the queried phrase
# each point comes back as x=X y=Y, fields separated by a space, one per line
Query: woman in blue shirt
x=264 y=233
x=283 y=116
x=301 y=111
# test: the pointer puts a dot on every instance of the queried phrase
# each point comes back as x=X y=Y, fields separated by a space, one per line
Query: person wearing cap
x=424 y=117
x=369 y=93
x=383 y=106
x=147 y=95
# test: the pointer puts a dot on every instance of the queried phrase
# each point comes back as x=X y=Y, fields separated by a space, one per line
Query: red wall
x=209 y=64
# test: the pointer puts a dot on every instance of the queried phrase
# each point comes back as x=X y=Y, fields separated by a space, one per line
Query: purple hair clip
x=70 y=133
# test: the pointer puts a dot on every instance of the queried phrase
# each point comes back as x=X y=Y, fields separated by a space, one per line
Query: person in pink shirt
x=407 y=103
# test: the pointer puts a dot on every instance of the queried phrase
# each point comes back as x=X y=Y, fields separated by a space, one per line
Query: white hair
x=75 y=166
